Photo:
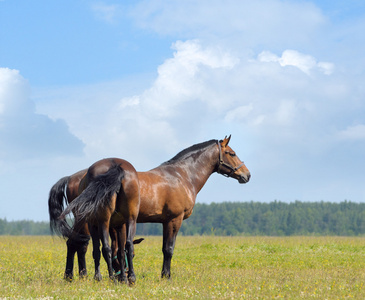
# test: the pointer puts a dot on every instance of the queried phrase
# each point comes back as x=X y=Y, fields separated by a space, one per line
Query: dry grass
x=202 y=268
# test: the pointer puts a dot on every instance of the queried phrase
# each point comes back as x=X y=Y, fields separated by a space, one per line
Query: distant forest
x=246 y=219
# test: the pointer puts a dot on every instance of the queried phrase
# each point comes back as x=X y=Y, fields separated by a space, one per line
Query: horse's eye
x=231 y=153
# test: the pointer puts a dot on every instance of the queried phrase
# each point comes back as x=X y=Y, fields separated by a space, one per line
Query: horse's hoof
x=121 y=279
x=68 y=277
x=83 y=274
x=167 y=276
x=132 y=280
x=98 y=277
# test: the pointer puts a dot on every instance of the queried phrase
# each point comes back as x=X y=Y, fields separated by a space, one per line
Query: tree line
x=246 y=218
x=24 y=227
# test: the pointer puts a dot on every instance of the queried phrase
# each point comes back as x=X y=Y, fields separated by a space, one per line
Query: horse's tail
x=56 y=202
x=96 y=197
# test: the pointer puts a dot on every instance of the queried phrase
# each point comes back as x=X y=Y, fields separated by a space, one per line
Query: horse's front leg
x=114 y=245
x=170 y=230
x=118 y=237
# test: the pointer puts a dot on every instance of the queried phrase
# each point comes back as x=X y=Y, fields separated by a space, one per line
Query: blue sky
x=142 y=80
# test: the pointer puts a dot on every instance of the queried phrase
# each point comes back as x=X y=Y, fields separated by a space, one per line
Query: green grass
x=202 y=268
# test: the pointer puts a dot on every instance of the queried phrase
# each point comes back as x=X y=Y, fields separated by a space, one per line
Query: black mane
x=182 y=154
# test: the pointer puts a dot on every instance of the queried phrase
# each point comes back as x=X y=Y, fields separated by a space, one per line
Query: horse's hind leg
x=81 y=253
x=106 y=250
x=131 y=231
x=96 y=252
x=71 y=250
x=170 y=231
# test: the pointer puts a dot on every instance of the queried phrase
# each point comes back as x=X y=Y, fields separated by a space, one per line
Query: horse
x=108 y=197
x=168 y=192
x=65 y=190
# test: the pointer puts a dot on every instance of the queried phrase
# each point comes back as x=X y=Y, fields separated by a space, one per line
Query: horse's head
x=229 y=164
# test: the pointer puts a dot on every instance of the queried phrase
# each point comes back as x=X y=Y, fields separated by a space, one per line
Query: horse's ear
x=226 y=141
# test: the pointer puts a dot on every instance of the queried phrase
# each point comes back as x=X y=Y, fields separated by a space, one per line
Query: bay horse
x=64 y=191
x=168 y=192
x=108 y=197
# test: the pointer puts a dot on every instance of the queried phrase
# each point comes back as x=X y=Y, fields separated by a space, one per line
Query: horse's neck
x=201 y=168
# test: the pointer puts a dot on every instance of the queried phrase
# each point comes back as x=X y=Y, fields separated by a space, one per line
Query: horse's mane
x=184 y=153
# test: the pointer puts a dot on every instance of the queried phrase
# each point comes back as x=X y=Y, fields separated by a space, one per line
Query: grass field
x=202 y=268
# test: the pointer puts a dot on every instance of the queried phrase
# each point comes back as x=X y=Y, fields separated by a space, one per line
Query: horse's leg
x=71 y=250
x=96 y=252
x=81 y=251
x=121 y=234
x=114 y=245
x=170 y=230
x=131 y=231
x=122 y=237
x=106 y=249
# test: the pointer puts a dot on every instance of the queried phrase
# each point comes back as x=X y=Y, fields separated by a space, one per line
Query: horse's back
x=164 y=196
x=73 y=184
x=104 y=165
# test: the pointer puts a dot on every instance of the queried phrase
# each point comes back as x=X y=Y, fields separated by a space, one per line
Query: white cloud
x=305 y=63
x=181 y=78
x=202 y=89
x=326 y=67
x=14 y=90
x=23 y=133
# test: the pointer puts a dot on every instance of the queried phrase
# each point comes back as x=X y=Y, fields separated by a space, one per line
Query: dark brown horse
x=108 y=197
x=64 y=191
x=168 y=192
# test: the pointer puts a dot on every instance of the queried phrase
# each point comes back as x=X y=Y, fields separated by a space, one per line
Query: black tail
x=56 y=202
x=96 y=197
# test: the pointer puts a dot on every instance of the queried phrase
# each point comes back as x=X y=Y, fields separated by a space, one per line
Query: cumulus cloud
x=180 y=79
x=14 y=90
x=204 y=89
x=23 y=133
x=304 y=62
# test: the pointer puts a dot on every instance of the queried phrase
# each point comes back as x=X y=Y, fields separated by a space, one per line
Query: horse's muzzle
x=244 y=178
